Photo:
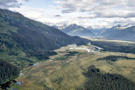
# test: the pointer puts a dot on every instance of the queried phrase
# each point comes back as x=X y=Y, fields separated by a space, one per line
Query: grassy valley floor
x=65 y=70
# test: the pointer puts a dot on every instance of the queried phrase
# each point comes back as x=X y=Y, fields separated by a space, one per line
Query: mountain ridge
x=77 y=30
x=117 y=33
x=30 y=38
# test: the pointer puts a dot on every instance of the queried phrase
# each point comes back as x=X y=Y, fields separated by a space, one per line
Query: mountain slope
x=7 y=72
x=117 y=33
x=76 y=30
x=27 y=40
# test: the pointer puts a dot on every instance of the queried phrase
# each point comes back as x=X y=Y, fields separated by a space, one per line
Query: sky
x=88 y=13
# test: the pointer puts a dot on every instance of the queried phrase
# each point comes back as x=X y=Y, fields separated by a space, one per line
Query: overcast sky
x=94 y=13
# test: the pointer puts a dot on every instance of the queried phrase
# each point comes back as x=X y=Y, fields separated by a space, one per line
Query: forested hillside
x=96 y=80
x=115 y=46
x=28 y=41
x=7 y=72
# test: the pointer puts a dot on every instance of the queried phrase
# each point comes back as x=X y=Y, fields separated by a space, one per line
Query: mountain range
x=120 y=33
x=76 y=30
x=26 y=38
x=24 y=42
x=117 y=32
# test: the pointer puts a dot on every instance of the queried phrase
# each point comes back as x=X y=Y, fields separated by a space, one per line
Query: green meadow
x=65 y=71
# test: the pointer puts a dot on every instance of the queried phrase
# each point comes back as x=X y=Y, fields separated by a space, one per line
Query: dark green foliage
x=13 y=53
x=25 y=59
x=115 y=47
x=99 y=81
x=7 y=72
x=72 y=53
x=41 y=55
x=7 y=85
x=115 y=58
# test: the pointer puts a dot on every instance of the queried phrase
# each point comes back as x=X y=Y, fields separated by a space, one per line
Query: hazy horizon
x=88 y=13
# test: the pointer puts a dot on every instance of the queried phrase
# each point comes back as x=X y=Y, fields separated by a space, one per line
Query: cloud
x=57 y=15
x=6 y=4
x=94 y=13
x=40 y=14
x=102 y=8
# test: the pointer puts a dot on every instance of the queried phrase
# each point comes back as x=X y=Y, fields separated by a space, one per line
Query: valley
x=65 y=70
x=36 y=56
